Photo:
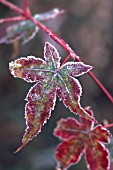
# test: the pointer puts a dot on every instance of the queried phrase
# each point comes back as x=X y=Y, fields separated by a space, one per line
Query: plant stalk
x=56 y=38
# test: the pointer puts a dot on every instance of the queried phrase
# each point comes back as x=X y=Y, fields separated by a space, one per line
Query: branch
x=101 y=86
x=13 y=7
x=65 y=60
x=20 y=18
x=108 y=125
x=26 y=7
x=56 y=38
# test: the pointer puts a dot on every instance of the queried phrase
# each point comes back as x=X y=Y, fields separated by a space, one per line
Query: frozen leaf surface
x=79 y=137
x=26 y=30
x=51 y=80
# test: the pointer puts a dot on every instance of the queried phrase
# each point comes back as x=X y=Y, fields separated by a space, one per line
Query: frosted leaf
x=51 y=80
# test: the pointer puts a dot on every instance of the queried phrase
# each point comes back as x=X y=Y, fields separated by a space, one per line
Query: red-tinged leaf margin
x=98 y=157
x=76 y=69
x=105 y=134
x=68 y=128
x=32 y=65
x=69 y=91
x=91 y=140
x=19 y=68
x=73 y=156
x=41 y=99
x=90 y=124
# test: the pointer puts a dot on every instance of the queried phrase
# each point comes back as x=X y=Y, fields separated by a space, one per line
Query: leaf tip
x=91 y=118
x=90 y=68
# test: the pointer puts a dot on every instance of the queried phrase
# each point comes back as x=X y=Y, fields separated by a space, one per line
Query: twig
x=56 y=38
x=101 y=86
x=13 y=7
x=108 y=125
x=19 y=18
x=26 y=7
x=65 y=60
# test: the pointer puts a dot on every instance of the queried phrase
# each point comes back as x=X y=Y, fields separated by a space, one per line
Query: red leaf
x=76 y=69
x=51 y=80
x=68 y=128
x=29 y=69
x=104 y=134
x=97 y=157
x=70 y=152
x=78 y=137
x=69 y=91
x=38 y=109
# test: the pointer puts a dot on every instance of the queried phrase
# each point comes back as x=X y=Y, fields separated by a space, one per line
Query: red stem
x=65 y=60
x=56 y=38
x=53 y=36
x=26 y=7
x=26 y=4
x=109 y=125
x=23 y=144
x=101 y=86
x=19 y=18
x=13 y=7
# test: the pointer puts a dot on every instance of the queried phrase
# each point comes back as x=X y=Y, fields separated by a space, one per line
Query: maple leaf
x=51 y=80
x=26 y=30
x=79 y=137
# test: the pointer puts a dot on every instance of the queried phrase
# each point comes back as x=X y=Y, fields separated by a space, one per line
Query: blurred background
x=87 y=26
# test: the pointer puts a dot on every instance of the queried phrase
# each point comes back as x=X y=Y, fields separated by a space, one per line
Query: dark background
x=87 y=26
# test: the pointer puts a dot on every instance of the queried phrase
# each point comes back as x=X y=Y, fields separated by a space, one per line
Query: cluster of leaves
x=79 y=137
x=51 y=80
